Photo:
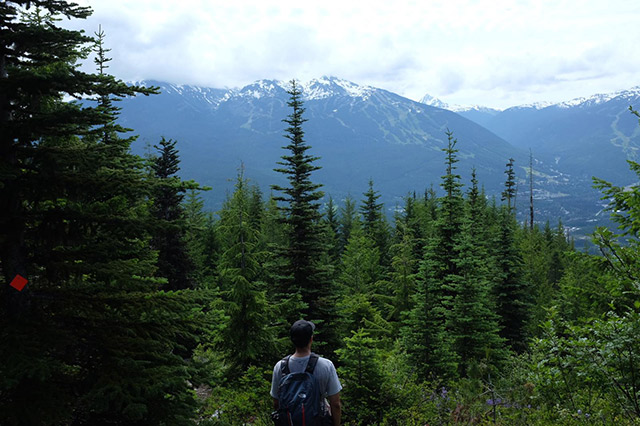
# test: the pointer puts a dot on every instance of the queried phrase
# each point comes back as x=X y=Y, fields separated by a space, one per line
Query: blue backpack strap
x=284 y=365
x=311 y=364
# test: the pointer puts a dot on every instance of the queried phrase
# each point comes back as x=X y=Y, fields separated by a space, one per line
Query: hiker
x=302 y=381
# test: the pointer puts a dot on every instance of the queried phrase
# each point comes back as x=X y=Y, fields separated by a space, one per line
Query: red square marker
x=19 y=282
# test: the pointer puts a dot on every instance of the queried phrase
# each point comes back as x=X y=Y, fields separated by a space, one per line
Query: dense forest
x=142 y=308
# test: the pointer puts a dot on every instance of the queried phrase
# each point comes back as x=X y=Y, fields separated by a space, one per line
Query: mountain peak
x=325 y=87
x=600 y=98
x=435 y=102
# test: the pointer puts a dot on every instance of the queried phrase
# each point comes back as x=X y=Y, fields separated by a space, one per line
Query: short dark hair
x=301 y=333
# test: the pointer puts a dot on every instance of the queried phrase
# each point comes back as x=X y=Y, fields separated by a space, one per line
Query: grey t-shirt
x=325 y=374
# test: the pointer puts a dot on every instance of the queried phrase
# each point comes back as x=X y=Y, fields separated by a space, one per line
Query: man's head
x=301 y=333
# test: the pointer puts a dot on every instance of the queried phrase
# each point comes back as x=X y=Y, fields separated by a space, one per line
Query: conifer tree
x=246 y=337
x=273 y=230
x=403 y=275
x=450 y=212
x=360 y=269
x=429 y=341
x=512 y=294
x=200 y=239
x=363 y=376
x=535 y=272
x=90 y=340
x=273 y=226
x=472 y=321
x=348 y=217
x=333 y=225
x=303 y=274
x=510 y=189
x=174 y=262
x=374 y=222
x=358 y=286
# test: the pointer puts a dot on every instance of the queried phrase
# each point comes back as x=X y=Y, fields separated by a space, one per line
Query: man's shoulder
x=325 y=363
x=322 y=359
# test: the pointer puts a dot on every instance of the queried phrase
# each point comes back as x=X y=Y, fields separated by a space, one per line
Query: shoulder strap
x=284 y=365
x=311 y=365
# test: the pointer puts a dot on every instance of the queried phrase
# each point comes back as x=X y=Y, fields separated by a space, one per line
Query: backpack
x=298 y=396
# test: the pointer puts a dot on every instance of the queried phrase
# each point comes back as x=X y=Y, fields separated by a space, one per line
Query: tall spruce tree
x=510 y=186
x=304 y=274
x=347 y=219
x=359 y=287
x=247 y=337
x=363 y=375
x=472 y=321
x=174 y=262
x=511 y=292
x=200 y=239
x=374 y=222
x=90 y=340
x=333 y=225
x=403 y=274
x=429 y=341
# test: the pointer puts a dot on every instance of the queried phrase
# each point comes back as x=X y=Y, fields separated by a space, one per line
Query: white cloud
x=496 y=52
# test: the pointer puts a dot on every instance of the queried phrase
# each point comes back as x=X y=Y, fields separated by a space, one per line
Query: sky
x=495 y=53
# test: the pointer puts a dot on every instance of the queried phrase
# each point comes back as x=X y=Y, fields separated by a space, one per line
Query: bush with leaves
x=245 y=401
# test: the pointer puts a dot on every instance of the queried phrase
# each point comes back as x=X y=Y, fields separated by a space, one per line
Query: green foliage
x=590 y=366
x=332 y=230
x=512 y=295
x=472 y=322
x=510 y=186
x=245 y=401
x=360 y=270
x=201 y=240
x=91 y=340
x=303 y=274
x=247 y=338
x=403 y=276
x=174 y=262
x=347 y=221
x=362 y=374
x=429 y=341
x=374 y=222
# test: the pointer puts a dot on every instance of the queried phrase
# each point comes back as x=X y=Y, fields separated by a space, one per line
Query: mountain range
x=362 y=132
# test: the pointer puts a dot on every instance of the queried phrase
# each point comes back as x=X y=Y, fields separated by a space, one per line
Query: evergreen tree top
x=298 y=166
x=451 y=181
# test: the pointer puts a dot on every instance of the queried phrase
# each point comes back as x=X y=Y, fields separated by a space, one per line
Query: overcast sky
x=494 y=53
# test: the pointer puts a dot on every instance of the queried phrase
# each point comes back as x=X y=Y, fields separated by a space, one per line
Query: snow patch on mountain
x=435 y=102
x=534 y=105
x=320 y=88
x=326 y=87
x=601 y=98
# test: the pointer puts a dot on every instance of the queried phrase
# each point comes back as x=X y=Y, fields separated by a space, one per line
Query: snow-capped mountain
x=316 y=89
x=435 y=102
x=432 y=101
x=360 y=132
x=475 y=113
x=326 y=87
x=589 y=136
x=631 y=95
x=363 y=132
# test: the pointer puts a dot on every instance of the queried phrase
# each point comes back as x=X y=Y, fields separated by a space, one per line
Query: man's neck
x=302 y=352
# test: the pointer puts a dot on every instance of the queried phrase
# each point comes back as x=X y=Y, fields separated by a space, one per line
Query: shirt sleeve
x=333 y=385
x=275 y=380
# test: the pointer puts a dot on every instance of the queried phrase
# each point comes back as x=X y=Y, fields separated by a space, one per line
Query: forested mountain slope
x=360 y=133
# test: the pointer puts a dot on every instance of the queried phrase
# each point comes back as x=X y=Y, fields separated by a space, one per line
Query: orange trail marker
x=19 y=282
